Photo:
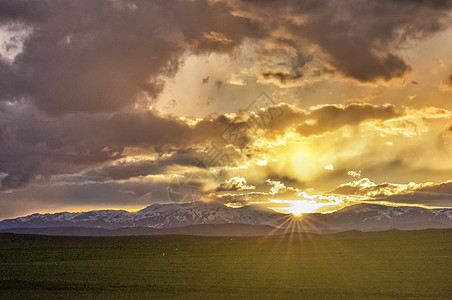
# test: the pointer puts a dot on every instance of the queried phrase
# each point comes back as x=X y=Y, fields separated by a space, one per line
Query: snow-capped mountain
x=368 y=217
x=156 y=216
x=364 y=217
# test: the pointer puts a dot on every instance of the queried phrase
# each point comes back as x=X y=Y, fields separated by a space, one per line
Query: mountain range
x=216 y=219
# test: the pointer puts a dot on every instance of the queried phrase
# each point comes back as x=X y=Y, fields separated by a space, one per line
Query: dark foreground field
x=392 y=264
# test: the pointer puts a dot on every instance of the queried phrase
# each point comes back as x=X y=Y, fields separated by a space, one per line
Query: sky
x=299 y=106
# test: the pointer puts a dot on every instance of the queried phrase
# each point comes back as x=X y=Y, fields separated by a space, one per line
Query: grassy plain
x=391 y=264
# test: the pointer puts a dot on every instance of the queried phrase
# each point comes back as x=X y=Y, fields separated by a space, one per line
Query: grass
x=391 y=264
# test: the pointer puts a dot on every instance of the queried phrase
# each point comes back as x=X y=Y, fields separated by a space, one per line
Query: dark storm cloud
x=24 y=11
x=360 y=38
x=7 y=82
x=34 y=145
x=93 y=56
x=126 y=170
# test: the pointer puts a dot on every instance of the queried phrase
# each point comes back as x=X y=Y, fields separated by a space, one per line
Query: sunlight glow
x=329 y=167
x=298 y=207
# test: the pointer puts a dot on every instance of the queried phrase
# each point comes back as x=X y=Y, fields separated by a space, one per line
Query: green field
x=391 y=264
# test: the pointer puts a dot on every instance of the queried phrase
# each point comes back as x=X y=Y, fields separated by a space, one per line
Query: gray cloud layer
x=329 y=118
x=361 y=39
x=32 y=144
x=93 y=56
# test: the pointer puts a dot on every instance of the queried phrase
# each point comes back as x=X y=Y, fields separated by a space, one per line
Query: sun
x=299 y=207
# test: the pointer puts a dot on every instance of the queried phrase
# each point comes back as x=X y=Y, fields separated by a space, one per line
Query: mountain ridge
x=363 y=217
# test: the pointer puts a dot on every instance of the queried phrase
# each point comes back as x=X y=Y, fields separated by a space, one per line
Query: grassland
x=392 y=264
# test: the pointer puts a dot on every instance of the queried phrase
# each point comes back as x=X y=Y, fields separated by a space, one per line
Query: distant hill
x=199 y=229
x=182 y=218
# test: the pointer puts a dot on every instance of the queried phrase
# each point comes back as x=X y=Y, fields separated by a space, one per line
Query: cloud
x=446 y=84
x=120 y=50
x=205 y=80
x=170 y=104
x=318 y=120
x=24 y=11
x=214 y=41
x=365 y=187
x=234 y=184
x=282 y=77
x=330 y=118
x=428 y=194
x=105 y=63
x=361 y=40
x=127 y=168
x=32 y=144
x=7 y=82
x=82 y=197
x=326 y=118
x=354 y=173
